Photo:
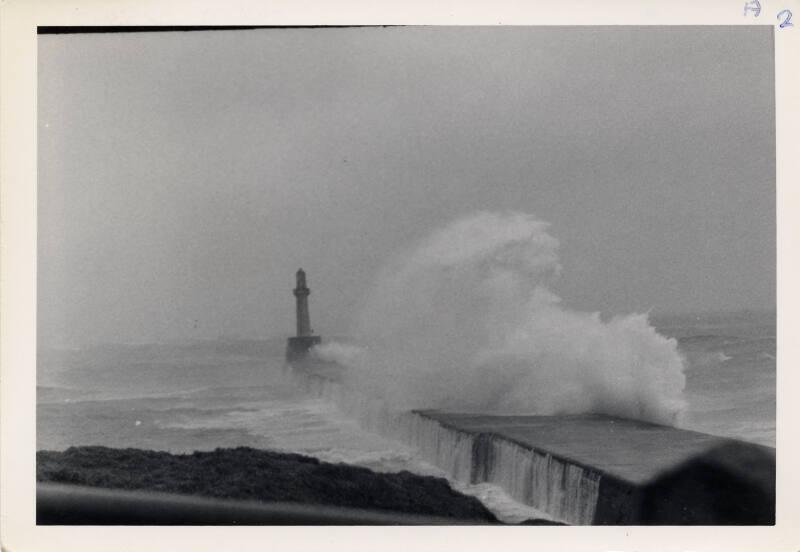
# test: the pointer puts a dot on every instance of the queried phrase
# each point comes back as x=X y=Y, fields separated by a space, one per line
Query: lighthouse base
x=298 y=347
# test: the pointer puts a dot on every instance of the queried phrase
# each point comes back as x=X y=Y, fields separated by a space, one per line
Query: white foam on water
x=466 y=320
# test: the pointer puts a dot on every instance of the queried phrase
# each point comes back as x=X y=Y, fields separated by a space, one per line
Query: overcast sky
x=184 y=177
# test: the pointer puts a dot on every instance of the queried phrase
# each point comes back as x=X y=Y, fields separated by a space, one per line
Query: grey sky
x=184 y=177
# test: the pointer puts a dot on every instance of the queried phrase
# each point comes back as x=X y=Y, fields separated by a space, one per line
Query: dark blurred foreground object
x=76 y=505
x=247 y=474
x=733 y=484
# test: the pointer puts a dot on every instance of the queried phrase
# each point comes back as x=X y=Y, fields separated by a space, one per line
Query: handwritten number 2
x=785 y=22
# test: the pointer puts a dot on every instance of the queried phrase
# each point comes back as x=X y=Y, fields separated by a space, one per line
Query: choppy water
x=730 y=373
x=205 y=395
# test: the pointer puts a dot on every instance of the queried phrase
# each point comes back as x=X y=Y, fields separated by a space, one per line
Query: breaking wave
x=466 y=321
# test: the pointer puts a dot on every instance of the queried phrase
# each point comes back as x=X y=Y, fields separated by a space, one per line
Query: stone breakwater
x=580 y=469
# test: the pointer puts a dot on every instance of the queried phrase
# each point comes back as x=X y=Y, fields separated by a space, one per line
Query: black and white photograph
x=406 y=275
x=542 y=263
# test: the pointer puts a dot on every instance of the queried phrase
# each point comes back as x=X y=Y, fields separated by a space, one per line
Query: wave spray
x=465 y=321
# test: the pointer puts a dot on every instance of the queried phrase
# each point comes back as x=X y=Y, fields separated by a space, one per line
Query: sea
x=201 y=395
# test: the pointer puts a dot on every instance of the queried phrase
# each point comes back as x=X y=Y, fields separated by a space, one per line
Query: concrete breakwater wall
x=643 y=473
x=583 y=469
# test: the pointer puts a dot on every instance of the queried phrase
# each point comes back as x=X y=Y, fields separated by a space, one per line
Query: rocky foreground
x=251 y=474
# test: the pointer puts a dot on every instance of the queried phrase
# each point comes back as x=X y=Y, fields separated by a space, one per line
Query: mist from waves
x=466 y=321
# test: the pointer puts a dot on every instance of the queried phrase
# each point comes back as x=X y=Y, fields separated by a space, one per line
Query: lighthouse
x=301 y=293
x=299 y=345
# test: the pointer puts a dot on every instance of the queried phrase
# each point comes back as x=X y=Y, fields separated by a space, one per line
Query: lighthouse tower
x=298 y=346
x=301 y=292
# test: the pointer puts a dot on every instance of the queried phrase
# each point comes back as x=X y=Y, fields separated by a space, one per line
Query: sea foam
x=466 y=321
